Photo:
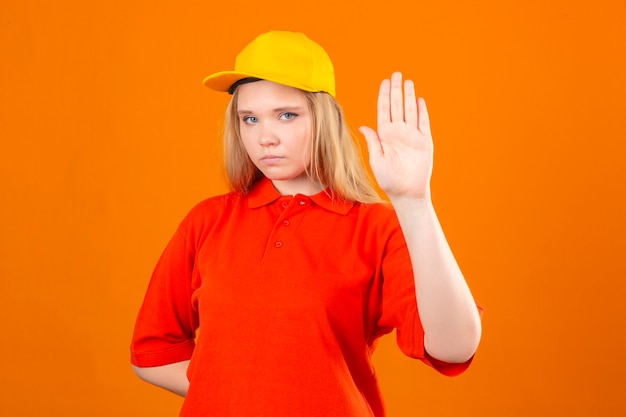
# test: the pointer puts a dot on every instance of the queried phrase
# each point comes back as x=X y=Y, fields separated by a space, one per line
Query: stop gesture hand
x=401 y=150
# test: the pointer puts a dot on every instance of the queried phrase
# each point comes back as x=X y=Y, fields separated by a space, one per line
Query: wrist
x=411 y=201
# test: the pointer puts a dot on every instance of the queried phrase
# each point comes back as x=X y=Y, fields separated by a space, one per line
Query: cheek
x=245 y=140
x=303 y=148
x=305 y=142
x=309 y=148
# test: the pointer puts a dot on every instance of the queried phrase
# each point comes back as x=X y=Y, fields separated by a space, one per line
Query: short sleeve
x=166 y=323
x=399 y=305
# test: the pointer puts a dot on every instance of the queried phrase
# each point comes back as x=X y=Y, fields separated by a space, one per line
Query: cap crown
x=288 y=58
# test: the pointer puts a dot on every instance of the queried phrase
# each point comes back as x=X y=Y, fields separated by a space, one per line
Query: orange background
x=107 y=138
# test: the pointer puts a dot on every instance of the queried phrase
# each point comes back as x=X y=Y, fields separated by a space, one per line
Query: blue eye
x=249 y=119
x=287 y=116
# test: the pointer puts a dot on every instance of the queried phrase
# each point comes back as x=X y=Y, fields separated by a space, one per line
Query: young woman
x=269 y=300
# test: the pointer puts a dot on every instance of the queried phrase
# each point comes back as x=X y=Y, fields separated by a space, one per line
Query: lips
x=270 y=159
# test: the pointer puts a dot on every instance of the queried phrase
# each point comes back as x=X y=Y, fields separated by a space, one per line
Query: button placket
x=284 y=229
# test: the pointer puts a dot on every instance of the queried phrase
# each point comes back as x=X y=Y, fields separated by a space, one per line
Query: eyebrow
x=276 y=110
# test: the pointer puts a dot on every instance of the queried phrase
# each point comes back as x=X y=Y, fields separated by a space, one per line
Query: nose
x=268 y=135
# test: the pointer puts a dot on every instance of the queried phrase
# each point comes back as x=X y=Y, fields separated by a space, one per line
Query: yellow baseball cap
x=288 y=58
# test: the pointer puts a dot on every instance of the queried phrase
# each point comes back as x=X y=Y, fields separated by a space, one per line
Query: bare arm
x=401 y=155
x=172 y=377
x=447 y=309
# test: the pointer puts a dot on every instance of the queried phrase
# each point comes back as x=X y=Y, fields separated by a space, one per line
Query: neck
x=295 y=186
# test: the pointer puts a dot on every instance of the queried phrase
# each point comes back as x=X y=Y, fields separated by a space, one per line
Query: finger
x=395 y=96
x=371 y=139
x=384 y=115
x=410 y=104
x=422 y=115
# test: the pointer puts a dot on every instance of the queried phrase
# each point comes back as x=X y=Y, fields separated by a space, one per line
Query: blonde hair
x=336 y=161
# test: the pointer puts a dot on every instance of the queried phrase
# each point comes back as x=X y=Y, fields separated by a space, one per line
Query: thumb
x=373 y=143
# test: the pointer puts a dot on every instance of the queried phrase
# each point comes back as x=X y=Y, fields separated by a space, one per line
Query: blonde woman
x=269 y=300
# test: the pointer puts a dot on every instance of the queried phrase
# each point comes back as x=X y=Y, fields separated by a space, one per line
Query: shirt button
x=286 y=223
x=278 y=244
x=285 y=204
x=302 y=203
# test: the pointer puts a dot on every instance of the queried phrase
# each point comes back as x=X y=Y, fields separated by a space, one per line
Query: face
x=275 y=127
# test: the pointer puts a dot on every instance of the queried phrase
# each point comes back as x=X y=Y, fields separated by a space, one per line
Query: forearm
x=172 y=377
x=447 y=309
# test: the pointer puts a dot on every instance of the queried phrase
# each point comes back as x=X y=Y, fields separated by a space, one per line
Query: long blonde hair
x=336 y=161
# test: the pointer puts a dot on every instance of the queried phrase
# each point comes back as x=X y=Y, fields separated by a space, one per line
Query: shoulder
x=214 y=204
x=376 y=212
x=376 y=219
x=206 y=212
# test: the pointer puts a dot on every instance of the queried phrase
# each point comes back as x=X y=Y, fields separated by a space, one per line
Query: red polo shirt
x=278 y=301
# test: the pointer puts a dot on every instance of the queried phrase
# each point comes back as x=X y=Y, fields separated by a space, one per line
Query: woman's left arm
x=401 y=157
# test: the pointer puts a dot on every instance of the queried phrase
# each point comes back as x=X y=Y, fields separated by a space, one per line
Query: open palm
x=401 y=149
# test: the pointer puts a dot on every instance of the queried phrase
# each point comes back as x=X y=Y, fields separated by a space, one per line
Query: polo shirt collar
x=264 y=193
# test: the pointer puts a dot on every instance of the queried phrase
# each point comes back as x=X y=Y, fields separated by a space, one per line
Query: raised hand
x=401 y=150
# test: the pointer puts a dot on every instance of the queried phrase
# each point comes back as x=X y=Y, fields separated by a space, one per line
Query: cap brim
x=221 y=81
